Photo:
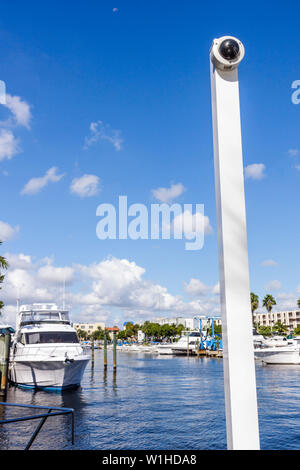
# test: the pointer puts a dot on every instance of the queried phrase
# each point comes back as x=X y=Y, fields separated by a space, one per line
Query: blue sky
x=140 y=70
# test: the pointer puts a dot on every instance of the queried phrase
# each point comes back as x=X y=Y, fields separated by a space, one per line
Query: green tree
x=81 y=334
x=122 y=335
x=98 y=334
x=264 y=330
x=3 y=267
x=179 y=329
x=298 y=303
x=280 y=328
x=297 y=330
x=217 y=330
x=254 y=304
x=269 y=302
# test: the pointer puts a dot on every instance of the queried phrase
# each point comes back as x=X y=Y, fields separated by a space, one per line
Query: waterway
x=157 y=402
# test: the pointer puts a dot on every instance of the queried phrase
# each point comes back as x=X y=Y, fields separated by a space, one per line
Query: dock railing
x=51 y=411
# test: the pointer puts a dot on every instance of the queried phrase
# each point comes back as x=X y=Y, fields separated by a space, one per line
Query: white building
x=290 y=318
x=89 y=328
x=191 y=323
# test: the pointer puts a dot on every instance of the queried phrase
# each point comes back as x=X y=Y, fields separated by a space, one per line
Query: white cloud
x=195 y=287
x=198 y=289
x=285 y=301
x=269 y=262
x=56 y=275
x=20 y=110
x=20 y=260
x=9 y=144
x=105 y=290
x=255 y=171
x=100 y=131
x=273 y=285
x=216 y=289
x=190 y=223
x=85 y=186
x=7 y=231
x=36 y=184
x=168 y=194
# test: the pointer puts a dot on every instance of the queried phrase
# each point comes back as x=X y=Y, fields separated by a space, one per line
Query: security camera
x=227 y=52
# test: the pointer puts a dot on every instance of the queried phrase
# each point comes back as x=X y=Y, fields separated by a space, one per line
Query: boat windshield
x=51 y=337
x=40 y=316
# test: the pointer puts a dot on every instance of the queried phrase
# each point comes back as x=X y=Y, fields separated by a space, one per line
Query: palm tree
x=298 y=303
x=268 y=302
x=3 y=266
x=279 y=327
x=254 y=304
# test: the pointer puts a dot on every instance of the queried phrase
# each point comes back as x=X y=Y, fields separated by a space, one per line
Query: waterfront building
x=190 y=323
x=290 y=318
x=89 y=328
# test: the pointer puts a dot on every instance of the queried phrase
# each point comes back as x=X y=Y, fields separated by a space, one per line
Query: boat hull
x=48 y=374
x=183 y=351
x=279 y=356
x=164 y=350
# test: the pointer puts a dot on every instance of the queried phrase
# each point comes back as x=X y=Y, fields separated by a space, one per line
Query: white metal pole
x=239 y=367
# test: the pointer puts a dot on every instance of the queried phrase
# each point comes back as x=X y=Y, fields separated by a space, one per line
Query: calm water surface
x=156 y=402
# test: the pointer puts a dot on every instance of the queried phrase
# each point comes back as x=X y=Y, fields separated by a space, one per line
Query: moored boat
x=46 y=353
x=288 y=354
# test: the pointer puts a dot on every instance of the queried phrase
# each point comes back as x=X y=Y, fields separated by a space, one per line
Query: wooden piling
x=93 y=351
x=115 y=350
x=4 y=358
x=105 y=350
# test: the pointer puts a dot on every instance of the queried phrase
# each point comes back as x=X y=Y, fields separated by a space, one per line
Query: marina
x=146 y=303
x=157 y=402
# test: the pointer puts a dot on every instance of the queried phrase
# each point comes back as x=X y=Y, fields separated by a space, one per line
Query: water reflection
x=158 y=402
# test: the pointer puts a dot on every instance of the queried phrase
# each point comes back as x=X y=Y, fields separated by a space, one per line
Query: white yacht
x=46 y=353
x=191 y=338
x=258 y=340
x=287 y=353
x=277 y=341
x=165 y=349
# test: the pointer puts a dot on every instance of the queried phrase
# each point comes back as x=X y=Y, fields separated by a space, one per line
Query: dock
x=209 y=353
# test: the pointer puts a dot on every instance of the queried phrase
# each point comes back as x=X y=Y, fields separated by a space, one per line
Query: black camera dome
x=229 y=49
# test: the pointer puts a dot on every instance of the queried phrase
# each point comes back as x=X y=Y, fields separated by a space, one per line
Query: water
x=156 y=402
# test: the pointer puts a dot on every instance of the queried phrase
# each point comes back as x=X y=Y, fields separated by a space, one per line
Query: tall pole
x=115 y=351
x=4 y=351
x=188 y=345
x=93 y=351
x=105 y=350
x=239 y=368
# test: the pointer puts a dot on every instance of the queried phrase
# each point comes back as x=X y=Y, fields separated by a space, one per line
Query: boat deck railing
x=49 y=350
x=51 y=411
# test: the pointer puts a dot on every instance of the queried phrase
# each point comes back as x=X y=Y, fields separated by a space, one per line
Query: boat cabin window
x=51 y=337
x=65 y=316
x=26 y=317
x=21 y=338
x=47 y=316
x=44 y=316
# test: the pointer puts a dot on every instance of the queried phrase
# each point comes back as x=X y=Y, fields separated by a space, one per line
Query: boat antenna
x=64 y=291
x=18 y=299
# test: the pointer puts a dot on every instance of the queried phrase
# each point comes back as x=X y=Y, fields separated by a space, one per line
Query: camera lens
x=229 y=49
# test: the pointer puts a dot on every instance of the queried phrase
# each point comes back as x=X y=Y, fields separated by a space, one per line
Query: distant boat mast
x=64 y=293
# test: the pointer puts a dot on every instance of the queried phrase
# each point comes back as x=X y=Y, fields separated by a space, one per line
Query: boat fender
x=68 y=361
